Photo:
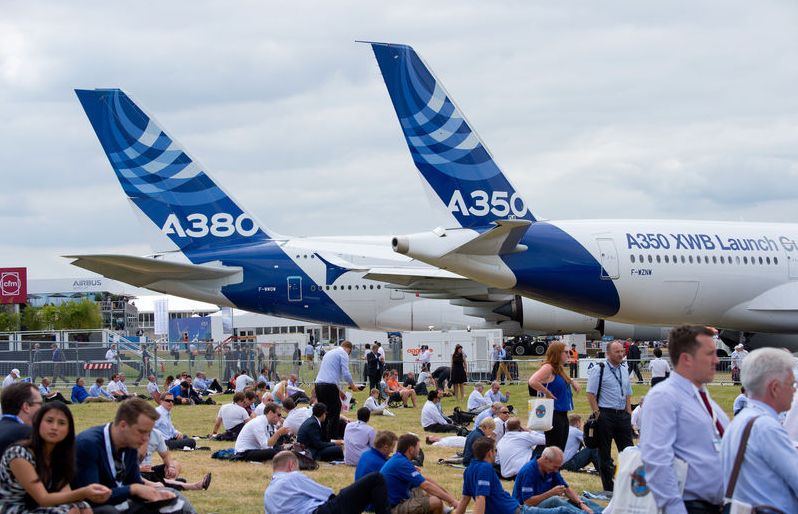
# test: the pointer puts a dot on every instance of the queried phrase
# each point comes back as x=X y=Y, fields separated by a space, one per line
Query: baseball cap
x=15 y=371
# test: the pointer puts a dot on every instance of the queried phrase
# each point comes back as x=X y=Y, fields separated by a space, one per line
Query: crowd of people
x=749 y=461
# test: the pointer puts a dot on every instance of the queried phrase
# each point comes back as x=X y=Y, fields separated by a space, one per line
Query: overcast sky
x=672 y=109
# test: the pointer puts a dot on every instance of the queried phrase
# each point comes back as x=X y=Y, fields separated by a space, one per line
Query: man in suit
x=310 y=434
x=373 y=366
x=108 y=455
x=20 y=402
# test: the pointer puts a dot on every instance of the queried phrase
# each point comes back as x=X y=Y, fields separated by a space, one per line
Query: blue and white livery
x=738 y=276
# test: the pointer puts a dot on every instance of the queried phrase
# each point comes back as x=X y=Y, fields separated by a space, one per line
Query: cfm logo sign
x=221 y=224
x=10 y=283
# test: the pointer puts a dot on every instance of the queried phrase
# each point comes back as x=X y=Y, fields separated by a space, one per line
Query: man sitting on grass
x=410 y=492
x=233 y=416
x=540 y=484
x=80 y=395
x=291 y=492
x=175 y=440
x=259 y=437
x=375 y=458
x=311 y=435
x=358 y=437
x=433 y=420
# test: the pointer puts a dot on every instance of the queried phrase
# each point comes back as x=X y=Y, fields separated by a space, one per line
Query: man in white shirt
x=374 y=406
x=358 y=437
x=659 y=367
x=575 y=457
x=515 y=448
x=11 y=377
x=243 y=380
x=501 y=423
x=258 y=438
x=476 y=400
x=110 y=355
x=114 y=389
x=433 y=420
x=233 y=417
x=152 y=388
x=290 y=491
x=296 y=415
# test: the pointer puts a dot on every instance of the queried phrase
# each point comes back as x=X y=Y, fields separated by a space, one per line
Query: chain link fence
x=63 y=362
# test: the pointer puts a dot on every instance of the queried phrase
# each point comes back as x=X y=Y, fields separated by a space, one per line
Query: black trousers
x=330 y=453
x=613 y=425
x=369 y=490
x=258 y=455
x=558 y=435
x=701 y=507
x=440 y=428
x=634 y=367
x=329 y=395
x=374 y=381
x=573 y=369
x=178 y=444
x=657 y=380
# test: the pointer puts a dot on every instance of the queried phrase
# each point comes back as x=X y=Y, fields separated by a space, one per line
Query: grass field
x=238 y=487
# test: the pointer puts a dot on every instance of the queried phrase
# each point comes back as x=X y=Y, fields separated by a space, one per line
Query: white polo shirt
x=515 y=450
x=358 y=437
x=232 y=415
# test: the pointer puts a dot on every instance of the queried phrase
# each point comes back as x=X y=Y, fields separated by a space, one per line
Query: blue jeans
x=582 y=458
x=560 y=503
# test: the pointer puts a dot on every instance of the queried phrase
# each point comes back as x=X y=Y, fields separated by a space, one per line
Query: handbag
x=541 y=414
x=590 y=429
x=732 y=506
x=631 y=494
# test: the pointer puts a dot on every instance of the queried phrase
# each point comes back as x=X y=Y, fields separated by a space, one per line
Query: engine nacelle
x=542 y=318
x=635 y=332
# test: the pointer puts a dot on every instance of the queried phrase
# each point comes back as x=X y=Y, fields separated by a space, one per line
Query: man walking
x=681 y=421
x=609 y=393
x=334 y=368
x=633 y=361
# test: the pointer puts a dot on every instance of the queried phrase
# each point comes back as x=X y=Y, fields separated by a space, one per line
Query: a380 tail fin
x=446 y=150
x=160 y=179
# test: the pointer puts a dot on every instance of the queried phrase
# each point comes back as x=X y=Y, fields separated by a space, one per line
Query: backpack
x=226 y=454
x=591 y=425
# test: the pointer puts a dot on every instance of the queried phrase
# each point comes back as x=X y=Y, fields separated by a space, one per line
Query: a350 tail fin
x=446 y=150
x=162 y=181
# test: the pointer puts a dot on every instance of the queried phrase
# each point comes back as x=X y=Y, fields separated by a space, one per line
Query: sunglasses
x=505 y=412
x=168 y=401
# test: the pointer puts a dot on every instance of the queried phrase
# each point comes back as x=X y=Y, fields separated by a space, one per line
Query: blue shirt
x=200 y=384
x=468 y=451
x=487 y=413
x=496 y=397
x=562 y=391
x=675 y=423
x=400 y=476
x=334 y=368
x=769 y=473
x=531 y=482
x=79 y=394
x=176 y=391
x=370 y=461
x=96 y=391
x=164 y=423
x=295 y=493
x=44 y=390
x=615 y=386
x=479 y=479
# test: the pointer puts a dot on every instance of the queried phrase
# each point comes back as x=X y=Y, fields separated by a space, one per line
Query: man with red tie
x=680 y=420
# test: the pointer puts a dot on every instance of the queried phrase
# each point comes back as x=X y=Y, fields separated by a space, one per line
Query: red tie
x=709 y=409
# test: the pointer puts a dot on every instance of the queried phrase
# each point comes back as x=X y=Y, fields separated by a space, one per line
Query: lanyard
x=620 y=381
x=110 y=454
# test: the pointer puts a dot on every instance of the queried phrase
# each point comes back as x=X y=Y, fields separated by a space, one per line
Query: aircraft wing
x=476 y=299
x=144 y=271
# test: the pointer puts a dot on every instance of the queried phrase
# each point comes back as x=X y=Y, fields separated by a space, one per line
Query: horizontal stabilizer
x=144 y=271
x=501 y=240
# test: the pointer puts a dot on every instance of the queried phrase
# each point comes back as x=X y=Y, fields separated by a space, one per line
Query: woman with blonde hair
x=552 y=381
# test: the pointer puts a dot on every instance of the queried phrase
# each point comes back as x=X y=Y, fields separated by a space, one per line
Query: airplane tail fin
x=447 y=151
x=170 y=188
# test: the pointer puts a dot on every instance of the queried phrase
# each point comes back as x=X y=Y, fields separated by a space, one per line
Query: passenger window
x=682 y=259
x=745 y=260
x=767 y=260
x=775 y=260
x=714 y=259
x=737 y=259
x=658 y=259
x=666 y=259
x=632 y=258
x=706 y=259
x=690 y=258
x=650 y=259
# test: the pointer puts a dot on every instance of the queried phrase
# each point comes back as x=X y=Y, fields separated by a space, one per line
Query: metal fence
x=65 y=361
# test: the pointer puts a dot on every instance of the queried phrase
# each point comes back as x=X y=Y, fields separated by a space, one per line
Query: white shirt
x=425 y=356
x=431 y=415
x=164 y=423
x=371 y=404
x=476 y=401
x=152 y=388
x=575 y=438
x=242 y=381
x=112 y=387
x=296 y=417
x=659 y=368
x=515 y=450
x=232 y=415
x=9 y=380
x=255 y=435
x=636 y=417
x=498 y=432
x=110 y=355
x=358 y=437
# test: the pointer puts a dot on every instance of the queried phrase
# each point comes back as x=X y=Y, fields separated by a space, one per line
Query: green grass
x=238 y=487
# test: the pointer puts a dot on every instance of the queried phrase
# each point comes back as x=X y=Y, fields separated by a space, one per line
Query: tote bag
x=631 y=494
x=541 y=414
